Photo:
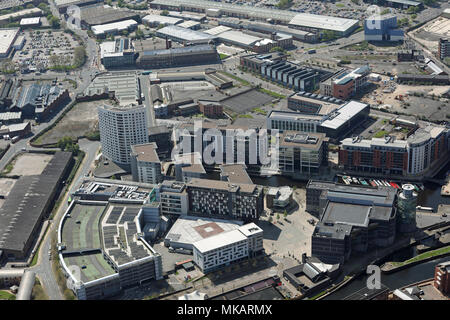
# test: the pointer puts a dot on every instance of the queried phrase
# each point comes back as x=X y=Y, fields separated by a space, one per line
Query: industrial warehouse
x=30 y=200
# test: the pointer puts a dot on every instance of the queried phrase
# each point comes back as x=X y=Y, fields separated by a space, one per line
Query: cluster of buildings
x=31 y=101
x=301 y=21
x=356 y=219
x=273 y=66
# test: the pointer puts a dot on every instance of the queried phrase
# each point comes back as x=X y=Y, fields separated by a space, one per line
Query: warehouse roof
x=21 y=13
x=30 y=21
x=217 y=30
x=184 y=34
x=164 y=20
x=344 y=114
x=115 y=26
x=7 y=37
x=323 y=22
x=252 y=11
x=239 y=37
x=24 y=207
x=102 y=15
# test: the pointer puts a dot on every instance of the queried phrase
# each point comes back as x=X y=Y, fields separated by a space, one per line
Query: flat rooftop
x=235 y=173
x=219 y=241
x=7 y=38
x=184 y=34
x=189 y=229
x=124 y=84
x=344 y=114
x=344 y=213
x=323 y=22
x=145 y=152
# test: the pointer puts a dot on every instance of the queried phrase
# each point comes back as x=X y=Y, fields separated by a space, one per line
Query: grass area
x=232 y=76
x=423 y=256
x=38 y=292
x=259 y=111
x=318 y=295
x=245 y=116
x=380 y=134
x=223 y=56
x=340 y=5
x=271 y=93
x=4 y=295
x=36 y=256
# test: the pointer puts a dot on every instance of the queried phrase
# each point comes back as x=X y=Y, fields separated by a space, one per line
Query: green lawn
x=271 y=93
x=4 y=295
x=249 y=116
x=380 y=134
x=259 y=111
x=423 y=256
x=244 y=82
x=223 y=56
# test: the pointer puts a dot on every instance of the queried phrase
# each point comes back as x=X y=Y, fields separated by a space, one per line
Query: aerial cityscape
x=225 y=150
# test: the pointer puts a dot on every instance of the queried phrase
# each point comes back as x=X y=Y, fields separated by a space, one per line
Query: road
x=145 y=87
x=43 y=267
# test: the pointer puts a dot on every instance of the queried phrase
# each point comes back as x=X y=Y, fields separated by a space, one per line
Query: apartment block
x=222 y=199
x=173 y=198
x=302 y=153
x=218 y=251
x=145 y=163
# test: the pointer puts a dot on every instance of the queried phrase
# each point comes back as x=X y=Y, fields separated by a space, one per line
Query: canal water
x=393 y=281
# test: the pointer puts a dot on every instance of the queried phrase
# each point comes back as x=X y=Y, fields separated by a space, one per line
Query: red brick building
x=211 y=109
x=442 y=277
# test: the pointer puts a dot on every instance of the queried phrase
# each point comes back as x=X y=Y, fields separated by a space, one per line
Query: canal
x=393 y=281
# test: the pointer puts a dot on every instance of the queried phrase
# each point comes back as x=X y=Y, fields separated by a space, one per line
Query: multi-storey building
x=145 y=163
x=349 y=83
x=220 y=250
x=335 y=124
x=311 y=103
x=442 y=277
x=173 y=198
x=120 y=128
x=353 y=221
x=293 y=75
x=443 y=48
x=117 y=53
x=232 y=143
x=382 y=28
x=420 y=152
x=222 y=199
x=379 y=155
x=302 y=153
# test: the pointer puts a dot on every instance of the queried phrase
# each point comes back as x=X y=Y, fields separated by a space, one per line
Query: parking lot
x=40 y=46
x=29 y=164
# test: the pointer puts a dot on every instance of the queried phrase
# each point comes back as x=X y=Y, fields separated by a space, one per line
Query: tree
x=54 y=21
x=139 y=34
x=165 y=13
x=277 y=49
x=285 y=214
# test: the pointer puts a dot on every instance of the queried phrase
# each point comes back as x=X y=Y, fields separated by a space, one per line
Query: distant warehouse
x=184 y=35
x=62 y=5
x=29 y=201
x=184 y=56
x=91 y=16
x=313 y=22
x=103 y=30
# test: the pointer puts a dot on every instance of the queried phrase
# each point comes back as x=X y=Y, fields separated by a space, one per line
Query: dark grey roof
x=27 y=202
x=351 y=214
